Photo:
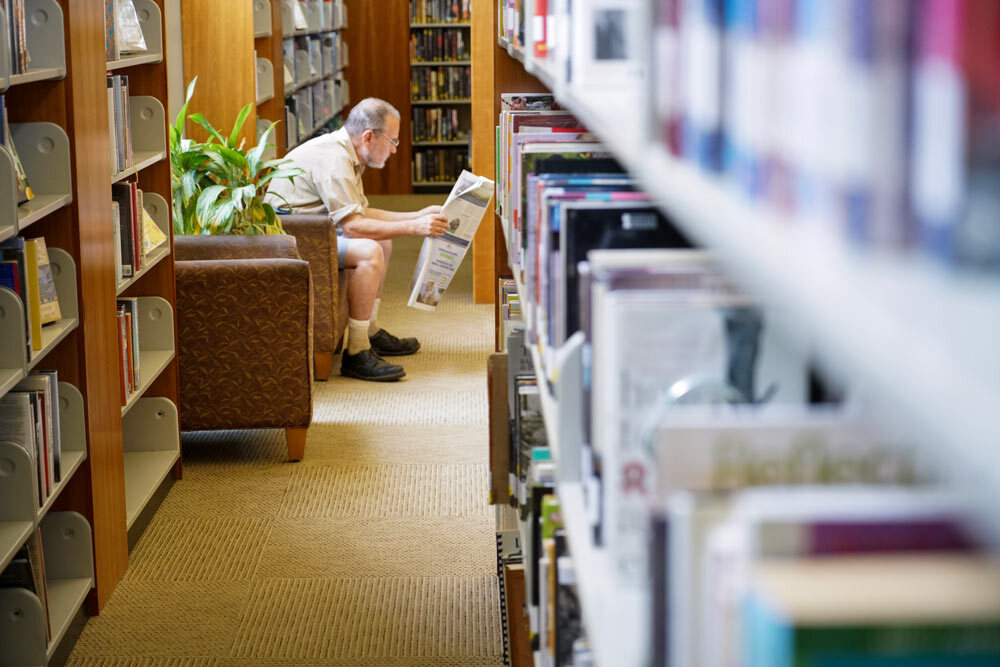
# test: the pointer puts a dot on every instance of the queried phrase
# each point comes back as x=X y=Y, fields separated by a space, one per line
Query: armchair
x=244 y=330
x=317 y=243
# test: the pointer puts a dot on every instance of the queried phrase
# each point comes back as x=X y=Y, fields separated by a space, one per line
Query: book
x=13 y=250
x=906 y=610
x=48 y=299
x=34 y=303
x=17 y=424
x=46 y=384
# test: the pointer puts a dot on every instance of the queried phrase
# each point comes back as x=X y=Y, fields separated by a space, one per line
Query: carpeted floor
x=376 y=550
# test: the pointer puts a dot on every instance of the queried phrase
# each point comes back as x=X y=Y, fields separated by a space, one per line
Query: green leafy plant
x=217 y=187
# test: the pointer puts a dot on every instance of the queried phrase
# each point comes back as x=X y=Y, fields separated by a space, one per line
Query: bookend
x=44 y=152
x=67 y=543
x=265 y=80
x=152 y=444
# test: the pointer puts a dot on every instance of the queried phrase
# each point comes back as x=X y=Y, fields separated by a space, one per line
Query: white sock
x=373 y=326
x=357 y=336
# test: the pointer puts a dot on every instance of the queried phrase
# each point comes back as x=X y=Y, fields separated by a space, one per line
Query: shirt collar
x=344 y=139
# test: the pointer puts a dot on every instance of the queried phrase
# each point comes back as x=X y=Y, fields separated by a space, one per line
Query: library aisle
x=377 y=549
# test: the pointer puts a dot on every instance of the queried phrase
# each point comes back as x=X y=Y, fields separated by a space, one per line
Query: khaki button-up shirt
x=331 y=182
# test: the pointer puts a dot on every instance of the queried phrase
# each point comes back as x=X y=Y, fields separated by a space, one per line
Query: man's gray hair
x=369 y=114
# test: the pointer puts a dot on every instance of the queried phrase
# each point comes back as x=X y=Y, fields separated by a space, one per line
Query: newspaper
x=440 y=256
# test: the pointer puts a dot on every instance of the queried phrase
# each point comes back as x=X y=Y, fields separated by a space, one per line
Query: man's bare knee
x=363 y=251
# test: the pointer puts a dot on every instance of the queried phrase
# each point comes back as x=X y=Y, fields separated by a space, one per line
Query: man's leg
x=383 y=342
x=364 y=256
x=386 y=246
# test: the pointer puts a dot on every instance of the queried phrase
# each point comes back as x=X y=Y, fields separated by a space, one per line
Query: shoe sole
x=394 y=354
x=372 y=378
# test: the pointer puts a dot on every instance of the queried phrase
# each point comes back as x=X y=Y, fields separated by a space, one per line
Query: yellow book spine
x=34 y=302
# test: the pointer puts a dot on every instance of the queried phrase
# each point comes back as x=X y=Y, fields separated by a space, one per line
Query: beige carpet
x=377 y=550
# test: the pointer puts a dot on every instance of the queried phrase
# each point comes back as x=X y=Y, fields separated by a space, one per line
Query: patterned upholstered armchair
x=244 y=330
x=317 y=242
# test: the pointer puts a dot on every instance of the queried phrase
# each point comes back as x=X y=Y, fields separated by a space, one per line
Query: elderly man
x=333 y=164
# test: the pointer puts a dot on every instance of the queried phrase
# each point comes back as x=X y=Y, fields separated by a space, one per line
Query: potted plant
x=217 y=187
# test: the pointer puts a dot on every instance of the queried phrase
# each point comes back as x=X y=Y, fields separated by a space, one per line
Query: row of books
x=136 y=234
x=129 y=356
x=439 y=44
x=440 y=11
x=119 y=123
x=555 y=620
x=510 y=311
x=20 y=59
x=25 y=270
x=440 y=83
x=29 y=417
x=690 y=398
x=326 y=56
x=122 y=31
x=438 y=124
x=27 y=570
x=438 y=165
x=875 y=121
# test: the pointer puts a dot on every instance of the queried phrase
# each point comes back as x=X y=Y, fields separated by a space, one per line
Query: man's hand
x=432 y=224
x=428 y=210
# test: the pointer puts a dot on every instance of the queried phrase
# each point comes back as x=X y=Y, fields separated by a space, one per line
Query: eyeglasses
x=394 y=142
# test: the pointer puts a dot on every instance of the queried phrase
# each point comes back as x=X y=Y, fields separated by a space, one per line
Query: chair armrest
x=232 y=246
x=316 y=238
x=244 y=330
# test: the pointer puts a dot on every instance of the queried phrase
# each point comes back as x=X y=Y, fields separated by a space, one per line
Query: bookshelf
x=59 y=121
x=313 y=71
x=913 y=331
x=439 y=51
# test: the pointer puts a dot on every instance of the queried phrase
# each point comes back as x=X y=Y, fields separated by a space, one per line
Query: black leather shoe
x=387 y=345
x=366 y=365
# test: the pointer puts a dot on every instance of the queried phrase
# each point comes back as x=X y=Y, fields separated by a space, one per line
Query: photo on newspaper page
x=440 y=256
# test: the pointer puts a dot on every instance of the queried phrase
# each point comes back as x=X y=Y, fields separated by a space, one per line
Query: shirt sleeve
x=337 y=188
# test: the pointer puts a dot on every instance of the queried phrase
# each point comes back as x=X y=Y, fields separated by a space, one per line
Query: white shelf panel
x=152 y=260
x=151 y=364
x=131 y=61
x=12 y=536
x=40 y=74
x=65 y=597
x=52 y=335
x=144 y=472
x=140 y=160
x=71 y=461
x=39 y=207
x=615 y=619
x=9 y=377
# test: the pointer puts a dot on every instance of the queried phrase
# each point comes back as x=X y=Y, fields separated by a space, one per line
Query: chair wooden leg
x=295 y=438
x=323 y=361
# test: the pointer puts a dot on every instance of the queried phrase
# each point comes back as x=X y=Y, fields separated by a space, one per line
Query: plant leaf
x=200 y=119
x=238 y=125
x=205 y=208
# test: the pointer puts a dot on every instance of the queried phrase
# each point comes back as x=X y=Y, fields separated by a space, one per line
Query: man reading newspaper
x=440 y=256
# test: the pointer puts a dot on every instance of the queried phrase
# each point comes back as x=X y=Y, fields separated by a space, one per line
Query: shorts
x=342 y=243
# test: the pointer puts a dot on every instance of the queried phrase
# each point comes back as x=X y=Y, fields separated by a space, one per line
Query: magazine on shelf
x=441 y=256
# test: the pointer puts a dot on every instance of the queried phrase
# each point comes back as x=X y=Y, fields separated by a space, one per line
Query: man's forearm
x=360 y=226
x=390 y=216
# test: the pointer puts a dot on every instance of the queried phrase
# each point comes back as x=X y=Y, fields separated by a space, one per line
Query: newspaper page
x=441 y=256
